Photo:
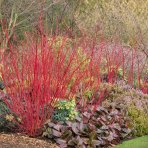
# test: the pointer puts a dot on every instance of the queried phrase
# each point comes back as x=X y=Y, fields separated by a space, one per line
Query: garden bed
x=16 y=140
x=74 y=92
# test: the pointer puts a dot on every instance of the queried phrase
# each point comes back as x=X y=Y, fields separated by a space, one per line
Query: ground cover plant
x=135 y=105
x=105 y=127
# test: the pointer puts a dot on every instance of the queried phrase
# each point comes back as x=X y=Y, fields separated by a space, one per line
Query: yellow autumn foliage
x=125 y=18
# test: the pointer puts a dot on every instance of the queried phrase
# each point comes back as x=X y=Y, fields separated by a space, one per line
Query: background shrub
x=139 y=121
x=123 y=18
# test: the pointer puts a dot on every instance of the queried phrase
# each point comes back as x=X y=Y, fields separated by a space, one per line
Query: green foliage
x=120 y=72
x=3 y=108
x=139 y=121
x=4 y=111
x=83 y=58
x=65 y=110
x=7 y=118
x=141 y=142
x=88 y=94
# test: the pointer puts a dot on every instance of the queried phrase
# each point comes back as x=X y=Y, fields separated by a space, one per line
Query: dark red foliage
x=103 y=128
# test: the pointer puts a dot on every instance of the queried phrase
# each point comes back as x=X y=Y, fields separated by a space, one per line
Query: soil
x=10 y=140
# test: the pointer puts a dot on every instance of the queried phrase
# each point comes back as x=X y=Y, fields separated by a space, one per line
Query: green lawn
x=141 y=142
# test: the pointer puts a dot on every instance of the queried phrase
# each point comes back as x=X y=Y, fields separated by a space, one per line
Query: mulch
x=11 y=140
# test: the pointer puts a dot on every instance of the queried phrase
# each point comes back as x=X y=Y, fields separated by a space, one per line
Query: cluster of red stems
x=37 y=74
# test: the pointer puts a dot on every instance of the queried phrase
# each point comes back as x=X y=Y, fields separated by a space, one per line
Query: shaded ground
x=20 y=141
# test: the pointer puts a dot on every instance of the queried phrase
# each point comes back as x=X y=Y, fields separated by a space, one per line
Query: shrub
x=122 y=18
x=65 y=110
x=139 y=121
x=36 y=77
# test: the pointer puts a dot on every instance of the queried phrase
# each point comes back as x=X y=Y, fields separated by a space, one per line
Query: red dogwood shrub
x=41 y=71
